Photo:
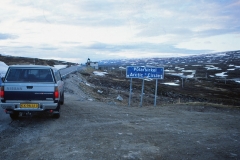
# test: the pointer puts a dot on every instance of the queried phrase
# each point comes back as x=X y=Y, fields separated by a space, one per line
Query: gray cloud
x=213 y=32
x=143 y=47
x=4 y=36
x=48 y=48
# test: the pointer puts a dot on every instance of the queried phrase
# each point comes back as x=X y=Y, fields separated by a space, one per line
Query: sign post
x=142 y=93
x=130 y=93
x=142 y=72
x=155 y=99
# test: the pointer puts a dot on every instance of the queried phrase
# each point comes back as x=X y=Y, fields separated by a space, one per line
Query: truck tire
x=62 y=99
x=14 y=115
x=57 y=115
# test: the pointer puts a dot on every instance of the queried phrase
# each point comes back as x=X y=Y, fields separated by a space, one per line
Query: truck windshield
x=29 y=75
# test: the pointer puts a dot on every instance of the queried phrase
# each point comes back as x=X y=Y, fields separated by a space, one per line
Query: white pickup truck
x=31 y=89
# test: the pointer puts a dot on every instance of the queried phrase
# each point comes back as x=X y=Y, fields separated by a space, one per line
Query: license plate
x=28 y=105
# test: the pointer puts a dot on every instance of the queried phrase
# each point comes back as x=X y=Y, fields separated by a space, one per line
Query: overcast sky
x=74 y=30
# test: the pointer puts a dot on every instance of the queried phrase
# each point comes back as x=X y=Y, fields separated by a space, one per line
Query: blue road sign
x=144 y=72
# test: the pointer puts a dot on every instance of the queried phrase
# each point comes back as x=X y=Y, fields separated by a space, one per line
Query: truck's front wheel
x=14 y=115
x=62 y=99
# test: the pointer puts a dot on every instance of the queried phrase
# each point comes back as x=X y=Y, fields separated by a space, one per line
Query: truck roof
x=32 y=66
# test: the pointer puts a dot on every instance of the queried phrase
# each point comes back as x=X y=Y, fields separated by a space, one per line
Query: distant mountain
x=225 y=65
x=13 y=60
x=223 y=57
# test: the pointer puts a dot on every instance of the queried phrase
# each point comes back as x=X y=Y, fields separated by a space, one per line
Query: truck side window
x=57 y=75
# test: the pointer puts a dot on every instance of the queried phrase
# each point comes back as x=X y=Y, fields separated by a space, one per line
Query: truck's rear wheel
x=14 y=115
x=57 y=115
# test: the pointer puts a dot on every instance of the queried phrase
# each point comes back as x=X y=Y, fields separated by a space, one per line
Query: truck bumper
x=41 y=107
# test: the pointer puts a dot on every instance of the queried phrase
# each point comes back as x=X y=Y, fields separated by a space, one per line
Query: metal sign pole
x=142 y=93
x=130 y=93
x=155 y=100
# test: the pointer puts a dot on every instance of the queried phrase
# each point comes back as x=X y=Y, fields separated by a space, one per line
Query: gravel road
x=97 y=130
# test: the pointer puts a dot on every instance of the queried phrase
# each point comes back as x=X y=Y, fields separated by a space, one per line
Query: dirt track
x=95 y=130
x=88 y=129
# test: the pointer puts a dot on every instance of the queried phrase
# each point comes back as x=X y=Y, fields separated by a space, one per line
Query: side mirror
x=2 y=79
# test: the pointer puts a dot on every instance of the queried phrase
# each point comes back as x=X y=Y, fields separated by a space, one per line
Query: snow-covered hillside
x=3 y=69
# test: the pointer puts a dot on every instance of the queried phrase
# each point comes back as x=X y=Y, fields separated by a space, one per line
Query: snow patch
x=221 y=74
x=97 y=73
x=60 y=66
x=171 y=84
x=122 y=67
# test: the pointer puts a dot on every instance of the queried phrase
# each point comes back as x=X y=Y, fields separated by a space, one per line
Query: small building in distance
x=92 y=64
